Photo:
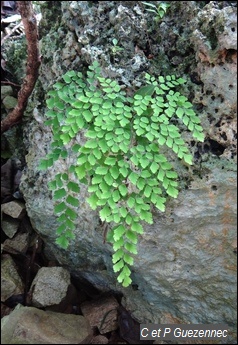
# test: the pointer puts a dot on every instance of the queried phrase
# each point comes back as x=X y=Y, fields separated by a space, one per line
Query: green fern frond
x=121 y=161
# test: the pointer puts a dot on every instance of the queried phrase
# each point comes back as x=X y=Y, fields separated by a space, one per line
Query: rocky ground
x=41 y=302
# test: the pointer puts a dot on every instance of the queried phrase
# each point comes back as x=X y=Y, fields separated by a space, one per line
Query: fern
x=121 y=161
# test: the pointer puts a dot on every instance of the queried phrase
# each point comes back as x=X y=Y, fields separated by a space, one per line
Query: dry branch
x=10 y=33
x=33 y=63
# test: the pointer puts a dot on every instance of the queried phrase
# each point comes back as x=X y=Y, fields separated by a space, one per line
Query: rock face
x=186 y=264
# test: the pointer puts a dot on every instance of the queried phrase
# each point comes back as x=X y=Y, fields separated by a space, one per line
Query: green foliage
x=121 y=160
x=115 y=48
x=159 y=10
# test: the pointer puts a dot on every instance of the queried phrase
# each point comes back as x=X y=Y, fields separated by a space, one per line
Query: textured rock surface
x=50 y=286
x=45 y=327
x=9 y=102
x=18 y=244
x=11 y=283
x=15 y=209
x=10 y=226
x=6 y=90
x=200 y=235
x=186 y=266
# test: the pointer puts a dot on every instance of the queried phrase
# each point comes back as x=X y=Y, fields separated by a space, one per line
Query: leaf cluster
x=159 y=10
x=121 y=161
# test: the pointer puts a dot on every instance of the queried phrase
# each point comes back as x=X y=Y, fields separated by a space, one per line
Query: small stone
x=9 y=102
x=15 y=209
x=10 y=226
x=11 y=283
x=50 y=286
x=6 y=179
x=6 y=90
x=18 y=244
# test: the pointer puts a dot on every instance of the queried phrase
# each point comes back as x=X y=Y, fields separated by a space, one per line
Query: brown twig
x=29 y=270
x=10 y=83
x=33 y=63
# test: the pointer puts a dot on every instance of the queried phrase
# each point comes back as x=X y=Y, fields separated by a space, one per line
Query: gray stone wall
x=186 y=266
